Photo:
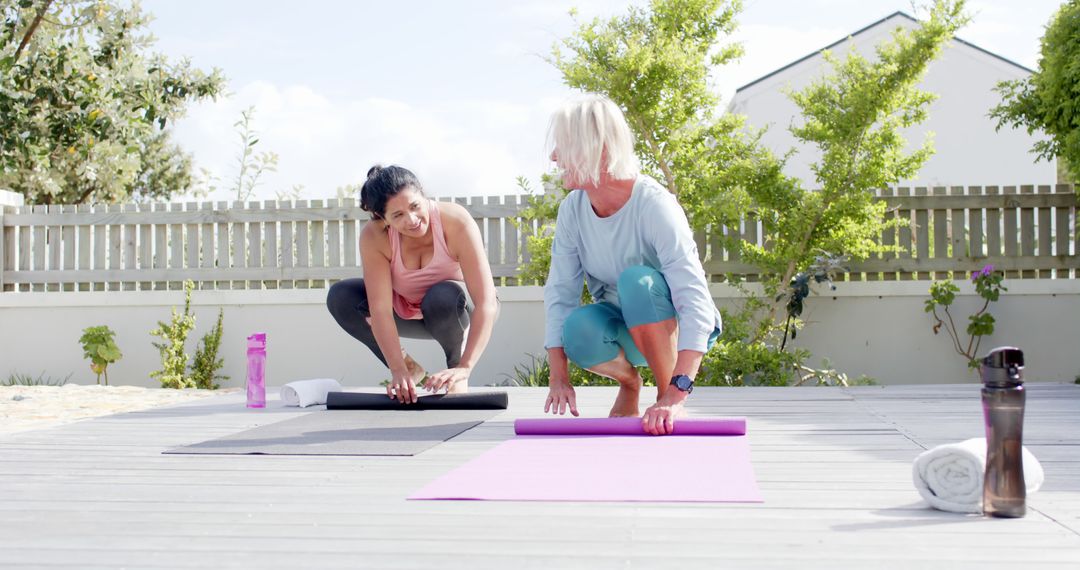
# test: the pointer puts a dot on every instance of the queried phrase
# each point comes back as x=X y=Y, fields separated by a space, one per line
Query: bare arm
x=469 y=246
x=374 y=253
x=688 y=362
x=562 y=294
x=465 y=243
x=559 y=365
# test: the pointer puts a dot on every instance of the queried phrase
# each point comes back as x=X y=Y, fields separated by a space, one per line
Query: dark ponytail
x=383 y=183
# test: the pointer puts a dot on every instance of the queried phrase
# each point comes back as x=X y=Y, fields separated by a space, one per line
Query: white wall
x=878 y=329
x=881 y=330
x=39 y=332
x=968 y=149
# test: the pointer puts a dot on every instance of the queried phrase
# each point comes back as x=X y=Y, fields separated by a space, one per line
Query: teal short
x=593 y=334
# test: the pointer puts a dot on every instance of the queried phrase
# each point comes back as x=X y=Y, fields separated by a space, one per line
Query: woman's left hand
x=447 y=379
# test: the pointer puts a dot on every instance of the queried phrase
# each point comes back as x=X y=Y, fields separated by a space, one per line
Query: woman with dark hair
x=426 y=275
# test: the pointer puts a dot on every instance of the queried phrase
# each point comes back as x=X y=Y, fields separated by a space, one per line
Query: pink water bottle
x=256 y=370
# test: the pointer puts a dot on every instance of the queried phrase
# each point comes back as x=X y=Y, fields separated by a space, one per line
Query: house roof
x=864 y=29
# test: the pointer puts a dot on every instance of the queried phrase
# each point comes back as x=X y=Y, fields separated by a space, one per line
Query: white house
x=968 y=149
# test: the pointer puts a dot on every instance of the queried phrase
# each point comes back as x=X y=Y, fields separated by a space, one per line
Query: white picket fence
x=219 y=245
x=1027 y=231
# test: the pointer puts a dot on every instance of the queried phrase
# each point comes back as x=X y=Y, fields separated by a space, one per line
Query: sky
x=457 y=91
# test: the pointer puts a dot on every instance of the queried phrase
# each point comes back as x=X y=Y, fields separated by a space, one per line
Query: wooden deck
x=834 y=466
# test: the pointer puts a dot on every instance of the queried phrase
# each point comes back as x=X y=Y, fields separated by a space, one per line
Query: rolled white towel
x=306 y=393
x=950 y=476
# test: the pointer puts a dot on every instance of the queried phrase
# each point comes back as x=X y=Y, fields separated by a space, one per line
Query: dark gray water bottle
x=1004 y=491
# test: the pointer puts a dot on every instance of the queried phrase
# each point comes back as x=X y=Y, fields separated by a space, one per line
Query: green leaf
x=109 y=353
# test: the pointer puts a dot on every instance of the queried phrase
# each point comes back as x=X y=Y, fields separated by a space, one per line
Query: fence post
x=8 y=202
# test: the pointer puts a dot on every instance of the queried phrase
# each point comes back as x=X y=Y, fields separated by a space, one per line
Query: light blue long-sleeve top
x=650 y=229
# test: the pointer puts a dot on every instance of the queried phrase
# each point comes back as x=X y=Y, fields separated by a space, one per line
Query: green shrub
x=174 y=335
x=537 y=372
x=738 y=363
x=981 y=323
x=205 y=366
x=16 y=379
x=100 y=347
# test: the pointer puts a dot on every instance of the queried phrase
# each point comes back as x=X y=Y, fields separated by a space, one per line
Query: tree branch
x=973 y=337
x=660 y=159
x=954 y=333
x=86 y=194
x=30 y=31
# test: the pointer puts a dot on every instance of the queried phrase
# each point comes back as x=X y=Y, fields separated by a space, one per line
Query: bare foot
x=416 y=372
x=458 y=388
x=626 y=403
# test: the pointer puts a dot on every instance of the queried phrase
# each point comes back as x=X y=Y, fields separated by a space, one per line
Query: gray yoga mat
x=346 y=432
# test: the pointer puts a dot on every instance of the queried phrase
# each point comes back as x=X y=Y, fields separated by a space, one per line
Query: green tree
x=654 y=63
x=84 y=105
x=855 y=117
x=1049 y=100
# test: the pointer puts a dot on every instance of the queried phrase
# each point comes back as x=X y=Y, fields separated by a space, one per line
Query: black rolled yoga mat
x=368 y=401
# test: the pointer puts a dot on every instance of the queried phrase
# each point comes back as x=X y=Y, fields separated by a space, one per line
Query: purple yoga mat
x=689 y=468
x=626 y=426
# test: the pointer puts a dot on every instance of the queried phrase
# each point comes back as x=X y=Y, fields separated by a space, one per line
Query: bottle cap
x=257 y=341
x=1003 y=367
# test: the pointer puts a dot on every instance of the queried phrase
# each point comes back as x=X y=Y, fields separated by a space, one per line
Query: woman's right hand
x=561 y=397
x=560 y=393
x=402 y=388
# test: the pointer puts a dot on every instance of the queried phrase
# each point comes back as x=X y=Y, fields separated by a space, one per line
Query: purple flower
x=984 y=272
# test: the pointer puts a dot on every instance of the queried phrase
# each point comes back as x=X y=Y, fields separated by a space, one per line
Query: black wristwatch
x=683 y=382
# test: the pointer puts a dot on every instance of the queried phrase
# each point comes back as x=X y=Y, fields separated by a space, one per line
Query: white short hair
x=583 y=131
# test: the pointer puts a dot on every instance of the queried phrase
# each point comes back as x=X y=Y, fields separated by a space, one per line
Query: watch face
x=682 y=382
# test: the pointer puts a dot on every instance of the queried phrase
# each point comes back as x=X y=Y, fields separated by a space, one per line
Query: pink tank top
x=410 y=285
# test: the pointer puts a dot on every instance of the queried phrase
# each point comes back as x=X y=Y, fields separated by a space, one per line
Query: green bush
x=537 y=372
x=737 y=363
x=100 y=347
x=205 y=366
x=750 y=352
x=173 y=373
x=174 y=360
x=16 y=379
x=981 y=323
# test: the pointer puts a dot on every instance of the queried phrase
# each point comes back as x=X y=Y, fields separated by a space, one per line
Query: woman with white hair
x=626 y=236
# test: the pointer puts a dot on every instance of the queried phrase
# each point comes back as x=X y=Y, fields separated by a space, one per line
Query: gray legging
x=445 y=306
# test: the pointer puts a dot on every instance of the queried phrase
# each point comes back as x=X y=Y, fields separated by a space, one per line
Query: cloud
x=546 y=11
x=459 y=148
